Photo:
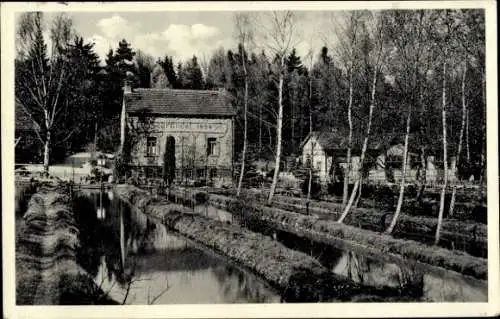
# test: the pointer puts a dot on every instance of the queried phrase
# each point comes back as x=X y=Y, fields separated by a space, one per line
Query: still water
x=447 y=286
x=141 y=262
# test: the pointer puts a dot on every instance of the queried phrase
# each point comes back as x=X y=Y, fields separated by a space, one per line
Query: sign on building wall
x=190 y=126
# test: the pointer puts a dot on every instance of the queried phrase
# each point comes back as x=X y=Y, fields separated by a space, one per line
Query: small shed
x=327 y=149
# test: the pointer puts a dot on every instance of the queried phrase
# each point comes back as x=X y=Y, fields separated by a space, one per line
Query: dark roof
x=179 y=102
x=335 y=141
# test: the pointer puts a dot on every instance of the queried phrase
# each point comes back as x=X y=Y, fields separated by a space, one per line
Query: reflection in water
x=133 y=258
x=447 y=287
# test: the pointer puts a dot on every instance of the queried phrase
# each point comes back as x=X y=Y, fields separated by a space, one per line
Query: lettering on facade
x=190 y=127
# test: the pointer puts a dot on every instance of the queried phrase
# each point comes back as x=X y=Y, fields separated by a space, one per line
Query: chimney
x=127 y=88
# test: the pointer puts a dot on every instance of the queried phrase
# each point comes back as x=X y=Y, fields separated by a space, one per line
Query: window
x=151 y=146
x=189 y=173
x=212 y=147
x=200 y=173
x=318 y=165
x=213 y=173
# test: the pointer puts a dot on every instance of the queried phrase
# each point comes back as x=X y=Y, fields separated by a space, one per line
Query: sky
x=177 y=34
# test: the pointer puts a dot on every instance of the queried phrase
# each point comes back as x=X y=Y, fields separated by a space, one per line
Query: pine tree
x=169 y=70
x=191 y=75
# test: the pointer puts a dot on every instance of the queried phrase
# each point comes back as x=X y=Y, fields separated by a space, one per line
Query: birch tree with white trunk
x=279 y=33
x=407 y=36
x=345 y=29
x=377 y=63
x=40 y=76
x=245 y=37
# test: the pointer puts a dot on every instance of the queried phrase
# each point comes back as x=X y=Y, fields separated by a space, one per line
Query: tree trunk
x=423 y=178
x=483 y=149
x=122 y=241
x=467 y=136
x=278 y=137
x=260 y=129
x=310 y=133
x=365 y=146
x=95 y=140
x=245 y=129
x=460 y=138
x=359 y=193
x=347 y=170
x=445 y=159
x=402 y=182
x=123 y=124
x=46 y=154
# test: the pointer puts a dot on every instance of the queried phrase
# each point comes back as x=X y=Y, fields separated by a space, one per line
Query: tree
x=244 y=35
x=218 y=70
x=407 y=37
x=468 y=45
x=378 y=38
x=159 y=79
x=346 y=31
x=83 y=97
x=169 y=70
x=191 y=76
x=444 y=38
x=39 y=81
x=145 y=64
x=169 y=161
x=280 y=31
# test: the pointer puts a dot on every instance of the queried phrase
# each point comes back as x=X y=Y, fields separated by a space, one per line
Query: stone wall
x=191 y=144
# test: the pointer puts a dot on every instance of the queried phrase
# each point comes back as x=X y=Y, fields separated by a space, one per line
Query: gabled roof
x=332 y=141
x=178 y=102
x=327 y=140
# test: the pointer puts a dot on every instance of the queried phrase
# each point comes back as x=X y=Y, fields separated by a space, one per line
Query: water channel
x=124 y=250
x=138 y=260
x=445 y=286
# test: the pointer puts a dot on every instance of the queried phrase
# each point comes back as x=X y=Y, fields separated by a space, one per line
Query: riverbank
x=344 y=236
x=470 y=237
x=47 y=272
x=299 y=277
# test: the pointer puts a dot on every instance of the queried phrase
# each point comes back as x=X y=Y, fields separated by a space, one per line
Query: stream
x=448 y=286
x=140 y=261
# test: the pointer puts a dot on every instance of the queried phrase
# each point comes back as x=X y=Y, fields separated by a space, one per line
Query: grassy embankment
x=467 y=236
x=296 y=275
x=46 y=242
x=348 y=237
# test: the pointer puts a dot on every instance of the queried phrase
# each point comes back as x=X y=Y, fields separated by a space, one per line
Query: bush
x=316 y=188
x=201 y=197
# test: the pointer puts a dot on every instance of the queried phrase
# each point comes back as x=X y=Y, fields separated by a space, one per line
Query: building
x=328 y=150
x=28 y=148
x=199 y=124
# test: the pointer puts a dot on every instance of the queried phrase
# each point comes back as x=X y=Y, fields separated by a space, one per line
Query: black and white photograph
x=244 y=154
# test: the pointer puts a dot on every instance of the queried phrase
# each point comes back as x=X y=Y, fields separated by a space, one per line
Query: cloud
x=203 y=31
x=115 y=27
x=198 y=39
x=178 y=40
x=101 y=45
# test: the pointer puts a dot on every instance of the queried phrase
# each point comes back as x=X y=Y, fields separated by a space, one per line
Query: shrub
x=316 y=188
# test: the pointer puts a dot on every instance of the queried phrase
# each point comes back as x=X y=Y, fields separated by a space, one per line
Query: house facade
x=199 y=124
x=28 y=148
x=327 y=150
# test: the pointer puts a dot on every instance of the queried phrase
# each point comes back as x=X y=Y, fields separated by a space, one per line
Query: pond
x=445 y=286
x=140 y=261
